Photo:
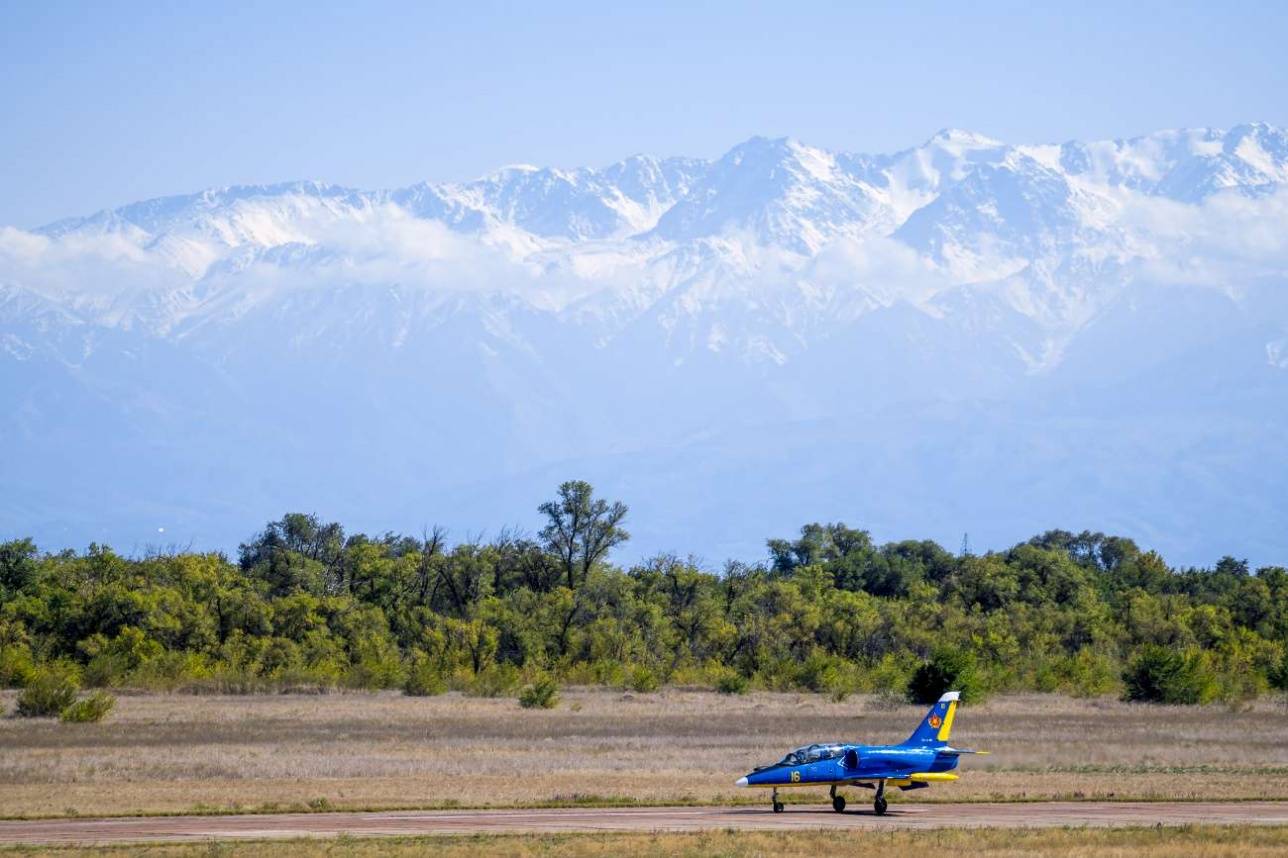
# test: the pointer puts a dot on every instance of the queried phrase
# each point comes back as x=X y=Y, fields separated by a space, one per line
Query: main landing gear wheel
x=838 y=803
x=879 y=805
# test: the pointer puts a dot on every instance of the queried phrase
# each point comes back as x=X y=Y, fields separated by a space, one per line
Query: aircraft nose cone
x=740 y=782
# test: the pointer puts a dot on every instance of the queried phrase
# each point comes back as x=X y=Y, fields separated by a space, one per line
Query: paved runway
x=407 y=823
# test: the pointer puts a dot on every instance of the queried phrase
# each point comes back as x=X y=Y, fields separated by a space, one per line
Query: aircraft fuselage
x=858 y=763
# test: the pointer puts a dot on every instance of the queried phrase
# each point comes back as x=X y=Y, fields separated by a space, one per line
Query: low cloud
x=102 y=265
x=882 y=267
x=1228 y=238
x=259 y=248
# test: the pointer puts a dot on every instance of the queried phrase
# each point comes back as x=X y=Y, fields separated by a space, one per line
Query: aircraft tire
x=778 y=807
x=879 y=806
x=838 y=803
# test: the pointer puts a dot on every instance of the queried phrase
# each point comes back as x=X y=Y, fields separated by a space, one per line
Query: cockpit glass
x=812 y=753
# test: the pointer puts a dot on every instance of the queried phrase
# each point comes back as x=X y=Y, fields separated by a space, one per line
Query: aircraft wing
x=905 y=777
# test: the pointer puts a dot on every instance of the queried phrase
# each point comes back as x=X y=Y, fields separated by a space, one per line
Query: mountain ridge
x=1075 y=155
x=478 y=334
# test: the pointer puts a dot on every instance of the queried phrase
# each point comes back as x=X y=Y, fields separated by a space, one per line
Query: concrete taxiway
x=548 y=820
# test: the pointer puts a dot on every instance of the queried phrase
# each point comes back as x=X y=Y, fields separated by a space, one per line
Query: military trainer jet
x=924 y=758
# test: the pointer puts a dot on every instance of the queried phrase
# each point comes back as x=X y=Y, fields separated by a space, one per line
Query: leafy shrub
x=607 y=671
x=225 y=678
x=780 y=674
x=105 y=671
x=16 y=666
x=494 y=681
x=831 y=674
x=1243 y=667
x=321 y=677
x=541 y=693
x=168 y=671
x=731 y=682
x=48 y=692
x=375 y=672
x=817 y=671
x=840 y=686
x=946 y=670
x=1086 y=673
x=423 y=679
x=642 y=679
x=890 y=675
x=89 y=710
x=1279 y=676
x=1162 y=675
x=111 y=661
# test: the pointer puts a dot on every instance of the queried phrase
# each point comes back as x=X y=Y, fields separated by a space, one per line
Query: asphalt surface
x=859 y=818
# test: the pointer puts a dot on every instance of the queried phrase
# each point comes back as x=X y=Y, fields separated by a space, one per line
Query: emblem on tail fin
x=937 y=725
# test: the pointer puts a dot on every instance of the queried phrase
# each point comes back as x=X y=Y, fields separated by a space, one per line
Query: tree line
x=307 y=605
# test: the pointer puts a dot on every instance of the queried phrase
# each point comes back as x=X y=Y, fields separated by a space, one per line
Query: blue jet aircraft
x=924 y=758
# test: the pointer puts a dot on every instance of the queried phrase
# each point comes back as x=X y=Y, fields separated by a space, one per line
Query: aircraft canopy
x=813 y=753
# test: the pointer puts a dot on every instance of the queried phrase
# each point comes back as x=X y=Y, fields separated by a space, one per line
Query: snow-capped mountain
x=964 y=335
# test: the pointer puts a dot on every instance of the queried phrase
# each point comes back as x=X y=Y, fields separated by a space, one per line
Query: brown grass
x=1197 y=842
x=171 y=754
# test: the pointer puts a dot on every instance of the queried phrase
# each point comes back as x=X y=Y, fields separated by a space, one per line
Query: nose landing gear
x=838 y=801
x=778 y=805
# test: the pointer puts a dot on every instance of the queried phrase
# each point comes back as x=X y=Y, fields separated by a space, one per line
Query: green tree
x=947 y=669
x=308 y=606
x=1279 y=676
x=1161 y=674
x=581 y=529
x=818 y=543
x=297 y=553
x=17 y=565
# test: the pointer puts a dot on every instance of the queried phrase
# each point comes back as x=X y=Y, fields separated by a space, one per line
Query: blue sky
x=106 y=103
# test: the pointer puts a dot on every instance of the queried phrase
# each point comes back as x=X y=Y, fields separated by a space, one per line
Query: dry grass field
x=1203 y=842
x=171 y=754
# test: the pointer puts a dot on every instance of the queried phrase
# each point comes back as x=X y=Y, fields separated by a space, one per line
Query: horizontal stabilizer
x=957 y=751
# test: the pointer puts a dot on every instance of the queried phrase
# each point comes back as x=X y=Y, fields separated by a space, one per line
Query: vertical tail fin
x=937 y=726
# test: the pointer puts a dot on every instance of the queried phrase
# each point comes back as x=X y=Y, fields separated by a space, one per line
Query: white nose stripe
x=740 y=782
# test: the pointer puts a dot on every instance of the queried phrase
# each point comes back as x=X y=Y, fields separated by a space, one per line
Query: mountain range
x=966 y=336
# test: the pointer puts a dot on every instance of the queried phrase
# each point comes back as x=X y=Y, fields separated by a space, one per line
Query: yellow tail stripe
x=946 y=730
